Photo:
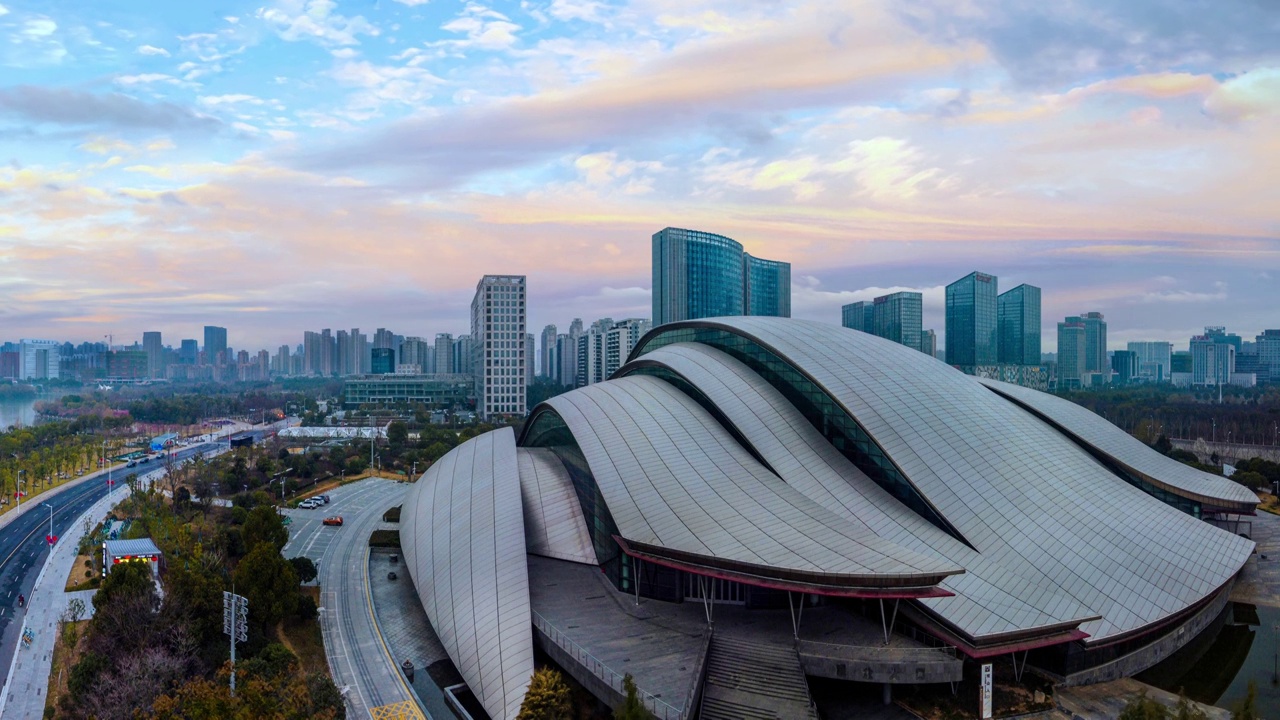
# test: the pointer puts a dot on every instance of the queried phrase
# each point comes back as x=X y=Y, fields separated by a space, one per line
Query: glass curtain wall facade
x=971 y=320
x=1018 y=312
x=858 y=316
x=1071 y=350
x=695 y=275
x=766 y=287
x=1095 y=345
x=897 y=317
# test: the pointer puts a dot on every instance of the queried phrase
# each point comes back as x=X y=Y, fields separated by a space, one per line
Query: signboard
x=985 y=693
x=235 y=617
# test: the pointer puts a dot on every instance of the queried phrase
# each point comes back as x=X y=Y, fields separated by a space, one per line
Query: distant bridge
x=1229 y=453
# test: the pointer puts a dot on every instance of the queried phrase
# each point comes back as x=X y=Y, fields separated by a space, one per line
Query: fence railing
x=660 y=709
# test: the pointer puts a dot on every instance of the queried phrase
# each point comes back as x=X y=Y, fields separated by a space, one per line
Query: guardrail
x=880 y=652
x=661 y=710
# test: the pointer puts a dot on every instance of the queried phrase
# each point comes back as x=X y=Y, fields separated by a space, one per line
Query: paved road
x=23 y=549
x=357 y=656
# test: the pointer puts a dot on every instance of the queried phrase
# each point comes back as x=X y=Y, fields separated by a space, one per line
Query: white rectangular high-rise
x=38 y=359
x=499 y=345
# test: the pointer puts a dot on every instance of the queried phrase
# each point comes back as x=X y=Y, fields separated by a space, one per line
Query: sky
x=274 y=167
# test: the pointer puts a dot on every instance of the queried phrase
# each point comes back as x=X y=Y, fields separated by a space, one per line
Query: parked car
x=308 y=504
x=324 y=499
x=335 y=520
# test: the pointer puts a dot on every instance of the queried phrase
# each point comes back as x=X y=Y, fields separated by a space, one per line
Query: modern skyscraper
x=897 y=316
x=444 y=353
x=190 y=352
x=1268 y=349
x=500 y=345
x=155 y=354
x=528 y=365
x=38 y=359
x=384 y=361
x=972 y=321
x=1124 y=363
x=1018 y=320
x=858 y=316
x=929 y=343
x=463 y=357
x=1212 y=361
x=591 y=353
x=1095 y=345
x=215 y=345
x=546 y=351
x=1155 y=360
x=1071 y=353
x=384 y=338
x=414 y=352
x=766 y=287
x=700 y=274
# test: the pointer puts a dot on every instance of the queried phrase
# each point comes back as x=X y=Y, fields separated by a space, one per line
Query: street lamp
x=50 y=521
x=18 y=494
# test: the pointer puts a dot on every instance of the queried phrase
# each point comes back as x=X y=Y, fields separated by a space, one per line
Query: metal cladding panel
x=991 y=599
x=553 y=523
x=1127 y=450
x=1016 y=488
x=674 y=478
x=463 y=540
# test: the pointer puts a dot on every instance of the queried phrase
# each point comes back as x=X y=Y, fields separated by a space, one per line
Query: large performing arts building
x=750 y=503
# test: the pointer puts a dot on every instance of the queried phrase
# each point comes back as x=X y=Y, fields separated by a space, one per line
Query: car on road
x=309 y=504
x=335 y=520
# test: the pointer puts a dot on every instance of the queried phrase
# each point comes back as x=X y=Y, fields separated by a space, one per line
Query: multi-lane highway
x=23 y=548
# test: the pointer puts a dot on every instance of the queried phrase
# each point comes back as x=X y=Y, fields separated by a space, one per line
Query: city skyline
x=224 y=165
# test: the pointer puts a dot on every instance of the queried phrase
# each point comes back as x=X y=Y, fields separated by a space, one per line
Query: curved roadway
x=23 y=549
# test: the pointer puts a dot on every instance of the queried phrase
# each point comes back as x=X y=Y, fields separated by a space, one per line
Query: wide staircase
x=753 y=681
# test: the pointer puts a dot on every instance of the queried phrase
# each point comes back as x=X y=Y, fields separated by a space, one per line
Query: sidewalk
x=28 y=679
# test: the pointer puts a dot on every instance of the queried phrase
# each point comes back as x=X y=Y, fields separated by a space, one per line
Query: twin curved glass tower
x=700 y=274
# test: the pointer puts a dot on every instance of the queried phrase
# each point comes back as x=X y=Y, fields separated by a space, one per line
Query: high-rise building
x=1212 y=361
x=897 y=317
x=155 y=354
x=700 y=274
x=38 y=359
x=127 y=364
x=415 y=352
x=190 y=352
x=215 y=345
x=972 y=321
x=546 y=351
x=528 y=365
x=1124 y=364
x=766 y=287
x=384 y=361
x=1018 y=321
x=444 y=354
x=499 y=345
x=343 y=342
x=282 y=363
x=1268 y=351
x=591 y=355
x=463 y=358
x=1155 y=360
x=1095 y=345
x=858 y=316
x=929 y=343
x=566 y=357
x=1071 y=354
x=1219 y=334
x=384 y=338
x=620 y=339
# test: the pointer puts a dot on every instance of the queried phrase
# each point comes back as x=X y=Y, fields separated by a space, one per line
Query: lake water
x=1217 y=667
x=15 y=411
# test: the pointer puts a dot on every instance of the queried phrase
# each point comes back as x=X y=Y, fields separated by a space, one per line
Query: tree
x=1143 y=708
x=1163 y=446
x=269 y=583
x=125 y=580
x=397 y=433
x=548 y=698
x=193 y=598
x=264 y=525
x=1251 y=480
x=632 y=709
x=304 y=567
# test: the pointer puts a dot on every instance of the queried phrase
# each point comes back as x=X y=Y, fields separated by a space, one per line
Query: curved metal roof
x=463 y=539
x=553 y=522
x=677 y=483
x=1086 y=427
x=990 y=599
x=1021 y=492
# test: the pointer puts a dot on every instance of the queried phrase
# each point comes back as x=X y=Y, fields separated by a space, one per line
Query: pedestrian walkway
x=27 y=683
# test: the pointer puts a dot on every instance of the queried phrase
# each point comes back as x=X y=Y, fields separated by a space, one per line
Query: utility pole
x=372 y=435
x=235 y=623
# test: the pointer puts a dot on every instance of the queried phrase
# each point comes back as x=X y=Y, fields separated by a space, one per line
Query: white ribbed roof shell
x=674 y=478
x=1017 y=489
x=1084 y=424
x=553 y=522
x=991 y=599
x=463 y=539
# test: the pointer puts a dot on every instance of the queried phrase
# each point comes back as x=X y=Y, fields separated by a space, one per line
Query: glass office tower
x=1018 y=312
x=700 y=274
x=858 y=316
x=971 y=320
x=897 y=316
x=766 y=287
